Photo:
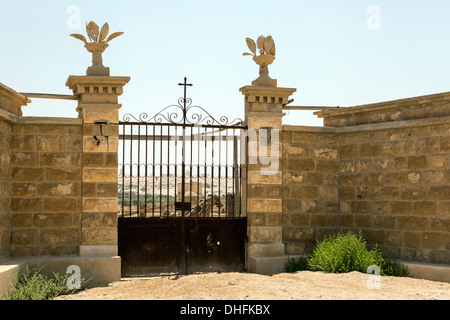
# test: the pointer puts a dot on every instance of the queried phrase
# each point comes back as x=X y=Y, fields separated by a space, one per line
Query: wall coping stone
x=392 y=104
x=372 y=126
x=11 y=100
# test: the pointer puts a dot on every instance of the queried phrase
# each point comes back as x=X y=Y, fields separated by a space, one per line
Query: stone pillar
x=263 y=116
x=99 y=110
x=11 y=103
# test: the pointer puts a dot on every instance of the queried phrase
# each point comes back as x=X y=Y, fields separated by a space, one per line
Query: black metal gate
x=182 y=189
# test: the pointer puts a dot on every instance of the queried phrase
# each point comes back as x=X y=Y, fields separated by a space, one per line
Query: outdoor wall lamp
x=101 y=124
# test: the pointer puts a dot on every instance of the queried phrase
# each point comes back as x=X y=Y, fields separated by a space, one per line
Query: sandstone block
x=390 y=193
x=290 y=177
x=414 y=193
x=23 y=190
x=110 y=219
x=70 y=143
x=100 y=174
x=47 y=143
x=54 y=189
x=324 y=152
x=55 y=159
x=369 y=150
x=256 y=219
x=444 y=144
x=265 y=234
x=433 y=177
x=53 y=220
x=99 y=235
x=24 y=236
x=26 y=204
x=418 y=162
x=440 y=193
x=107 y=189
x=314 y=178
x=27 y=174
x=63 y=174
x=23 y=143
x=432 y=240
x=25 y=159
x=349 y=152
x=299 y=220
x=328 y=166
x=304 y=192
x=412 y=223
x=394 y=238
x=61 y=204
x=414 y=177
x=258 y=205
x=300 y=164
x=22 y=220
x=59 y=236
x=295 y=149
x=298 y=234
x=401 y=207
x=437 y=162
x=413 y=239
x=92 y=219
x=397 y=178
x=328 y=193
x=304 y=137
x=100 y=204
x=384 y=222
x=256 y=177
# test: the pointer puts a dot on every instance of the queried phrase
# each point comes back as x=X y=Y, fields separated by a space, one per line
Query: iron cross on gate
x=183 y=205
x=185 y=84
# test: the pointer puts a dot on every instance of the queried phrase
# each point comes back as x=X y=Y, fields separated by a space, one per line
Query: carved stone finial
x=266 y=47
x=98 y=43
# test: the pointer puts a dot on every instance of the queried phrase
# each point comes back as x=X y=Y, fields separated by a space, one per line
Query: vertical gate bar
x=176 y=167
x=146 y=171
x=244 y=172
x=153 y=173
x=220 y=168
x=212 y=170
x=138 y=203
x=160 y=171
x=206 y=171
x=226 y=174
x=123 y=168
x=198 y=166
x=183 y=168
x=236 y=191
x=190 y=172
x=168 y=171
x=131 y=166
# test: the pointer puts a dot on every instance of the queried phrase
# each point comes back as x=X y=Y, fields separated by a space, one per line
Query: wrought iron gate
x=182 y=187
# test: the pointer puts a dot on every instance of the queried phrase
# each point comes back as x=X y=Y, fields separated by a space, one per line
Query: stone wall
x=394 y=185
x=11 y=103
x=5 y=186
x=46 y=187
x=58 y=176
x=383 y=169
x=310 y=186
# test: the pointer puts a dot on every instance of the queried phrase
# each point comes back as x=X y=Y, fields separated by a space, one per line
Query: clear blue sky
x=324 y=49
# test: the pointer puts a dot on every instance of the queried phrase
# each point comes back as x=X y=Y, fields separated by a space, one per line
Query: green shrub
x=32 y=285
x=292 y=265
x=343 y=253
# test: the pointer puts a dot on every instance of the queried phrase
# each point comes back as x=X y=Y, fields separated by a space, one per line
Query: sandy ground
x=304 y=285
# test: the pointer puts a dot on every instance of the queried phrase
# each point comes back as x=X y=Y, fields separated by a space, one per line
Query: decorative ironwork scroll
x=183 y=113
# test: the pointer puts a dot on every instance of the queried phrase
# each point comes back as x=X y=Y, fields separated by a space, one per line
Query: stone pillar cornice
x=11 y=100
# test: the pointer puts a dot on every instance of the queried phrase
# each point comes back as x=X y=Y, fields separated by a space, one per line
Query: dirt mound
x=304 y=285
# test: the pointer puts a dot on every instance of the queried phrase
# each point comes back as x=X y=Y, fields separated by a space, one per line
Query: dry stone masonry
x=381 y=168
